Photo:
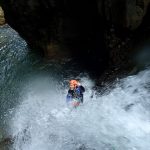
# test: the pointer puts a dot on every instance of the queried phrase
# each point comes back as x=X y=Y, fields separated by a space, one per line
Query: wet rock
x=128 y=107
x=6 y=143
x=2 y=19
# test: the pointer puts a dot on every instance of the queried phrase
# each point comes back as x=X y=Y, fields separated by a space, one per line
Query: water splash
x=116 y=121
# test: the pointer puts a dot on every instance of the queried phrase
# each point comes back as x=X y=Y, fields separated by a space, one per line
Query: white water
x=119 y=120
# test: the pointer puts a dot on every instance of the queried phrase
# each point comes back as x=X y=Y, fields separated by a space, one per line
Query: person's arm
x=82 y=89
x=69 y=96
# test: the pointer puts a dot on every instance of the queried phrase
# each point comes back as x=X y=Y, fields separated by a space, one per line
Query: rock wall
x=59 y=28
x=102 y=31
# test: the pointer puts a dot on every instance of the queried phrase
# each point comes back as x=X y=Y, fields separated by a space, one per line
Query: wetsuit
x=76 y=94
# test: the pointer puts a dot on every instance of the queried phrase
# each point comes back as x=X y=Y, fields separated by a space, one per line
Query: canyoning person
x=75 y=93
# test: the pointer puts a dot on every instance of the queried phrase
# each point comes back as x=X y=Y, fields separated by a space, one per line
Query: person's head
x=73 y=84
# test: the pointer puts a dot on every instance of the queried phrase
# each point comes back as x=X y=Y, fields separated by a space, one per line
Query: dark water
x=34 y=112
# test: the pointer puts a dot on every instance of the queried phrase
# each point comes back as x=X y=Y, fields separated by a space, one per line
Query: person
x=75 y=93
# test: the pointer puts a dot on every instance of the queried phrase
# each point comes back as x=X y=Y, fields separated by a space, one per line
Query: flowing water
x=36 y=115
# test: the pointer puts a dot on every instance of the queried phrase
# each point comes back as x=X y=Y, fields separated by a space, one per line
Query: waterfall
x=34 y=111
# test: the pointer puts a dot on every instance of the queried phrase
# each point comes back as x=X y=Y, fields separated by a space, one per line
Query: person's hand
x=79 y=83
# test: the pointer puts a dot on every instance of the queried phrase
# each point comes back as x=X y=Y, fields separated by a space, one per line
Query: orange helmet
x=73 y=82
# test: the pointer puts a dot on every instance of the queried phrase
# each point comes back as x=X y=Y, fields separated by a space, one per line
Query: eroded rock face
x=136 y=10
x=124 y=13
x=58 y=27
x=127 y=24
x=78 y=28
x=2 y=19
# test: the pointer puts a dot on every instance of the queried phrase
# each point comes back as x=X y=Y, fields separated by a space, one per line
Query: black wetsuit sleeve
x=82 y=89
